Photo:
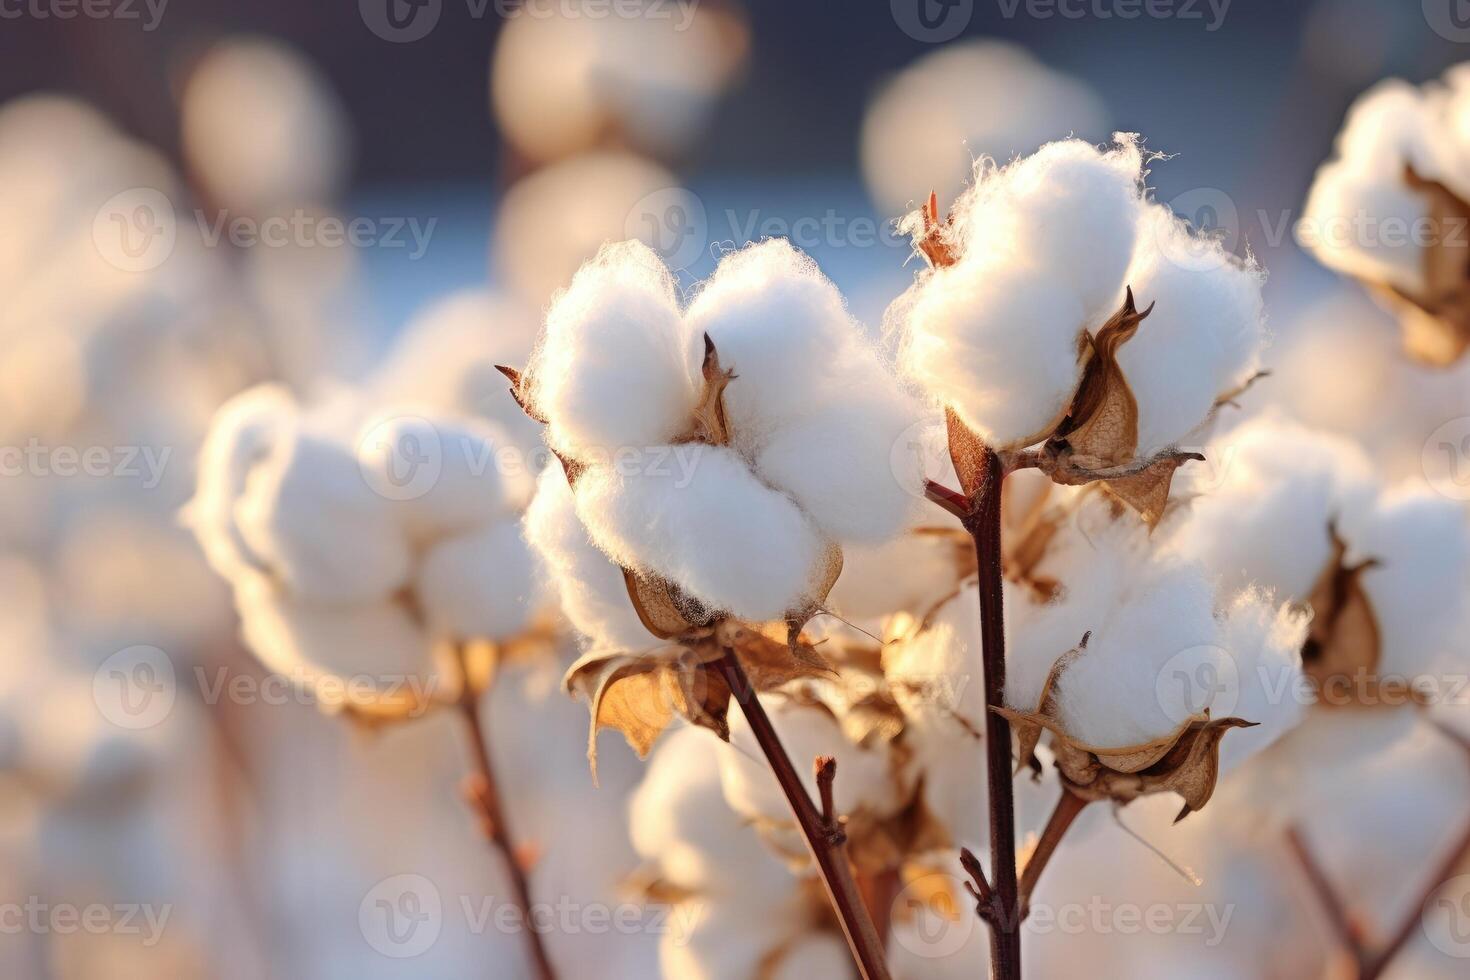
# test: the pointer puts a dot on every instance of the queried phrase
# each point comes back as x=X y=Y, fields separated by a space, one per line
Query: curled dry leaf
x=1185 y=761
x=1436 y=323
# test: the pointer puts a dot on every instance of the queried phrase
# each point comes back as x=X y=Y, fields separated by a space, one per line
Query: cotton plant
x=717 y=458
x=377 y=561
x=1068 y=324
x=1389 y=208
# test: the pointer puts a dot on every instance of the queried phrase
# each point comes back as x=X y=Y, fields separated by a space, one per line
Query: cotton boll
x=443 y=475
x=679 y=819
x=1204 y=336
x=719 y=533
x=1421 y=542
x=998 y=343
x=244 y=430
x=1070 y=208
x=1262 y=678
x=592 y=591
x=781 y=326
x=480 y=584
x=376 y=641
x=617 y=367
x=840 y=466
x=309 y=514
x=867 y=779
x=1116 y=693
x=1345 y=216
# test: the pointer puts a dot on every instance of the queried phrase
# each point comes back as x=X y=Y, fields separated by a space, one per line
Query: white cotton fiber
x=244 y=430
x=997 y=341
x=444 y=474
x=1202 y=339
x=1119 y=692
x=591 y=589
x=868 y=779
x=1420 y=585
x=927 y=566
x=478 y=585
x=1263 y=679
x=1266 y=502
x=782 y=327
x=729 y=540
x=310 y=516
x=679 y=819
x=816 y=954
x=376 y=642
x=616 y=366
x=1070 y=208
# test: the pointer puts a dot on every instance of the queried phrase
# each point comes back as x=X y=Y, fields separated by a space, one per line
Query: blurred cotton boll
x=566 y=82
x=964 y=101
x=262 y=129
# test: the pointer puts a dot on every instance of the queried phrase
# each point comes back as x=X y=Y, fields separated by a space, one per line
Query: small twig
x=1066 y=811
x=978 y=886
x=826 y=769
x=951 y=500
x=831 y=860
x=481 y=792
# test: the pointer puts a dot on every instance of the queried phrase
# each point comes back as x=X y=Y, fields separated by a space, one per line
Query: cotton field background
x=734 y=489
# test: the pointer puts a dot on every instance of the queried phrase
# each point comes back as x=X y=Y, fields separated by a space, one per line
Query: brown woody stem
x=831 y=858
x=1066 y=811
x=482 y=793
x=982 y=521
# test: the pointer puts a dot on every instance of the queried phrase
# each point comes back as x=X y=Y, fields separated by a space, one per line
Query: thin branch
x=1066 y=811
x=1348 y=935
x=481 y=792
x=831 y=860
x=951 y=500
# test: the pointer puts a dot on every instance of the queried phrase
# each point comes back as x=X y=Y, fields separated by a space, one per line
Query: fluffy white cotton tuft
x=727 y=539
x=1204 y=335
x=309 y=515
x=1418 y=588
x=1261 y=678
x=998 y=343
x=591 y=589
x=478 y=585
x=616 y=366
x=1119 y=691
x=244 y=430
x=928 y=568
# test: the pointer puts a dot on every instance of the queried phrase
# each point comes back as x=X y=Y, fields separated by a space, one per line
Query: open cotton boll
x=590 y=588
x=478 y=585
x=1204 y=336
x=1344 y=205
x=309 y=515
x=724 y=537
x=1261 y=678
x=444 y=475
x=1418 y=588
x=1117 y=693
x=243 y=430
x=375 y=641
x=997 y=342
x=1070 y=208
x=616 y=366
x=840 y=466
x=782 y=327
x=867 y=780
x=679 y=819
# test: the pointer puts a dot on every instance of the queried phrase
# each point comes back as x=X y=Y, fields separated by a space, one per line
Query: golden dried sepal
x=769 y=661
x=1436 y=323
x=933 y=244
x=520 y=390
x=1101 y=428
x=664 y=609
x=710 y=423
x=639 y=694
x=1343 y=640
